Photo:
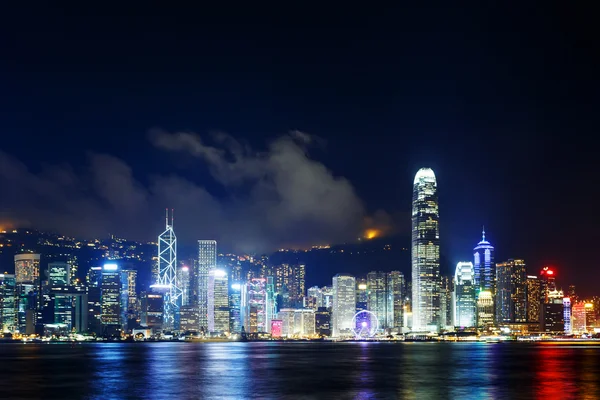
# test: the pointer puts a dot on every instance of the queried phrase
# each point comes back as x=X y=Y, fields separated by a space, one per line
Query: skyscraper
x=464 y=299
x=111 y=300
x=218 y=301
x=483 y=265
x=254 y=307
x=289 y=281
x=344 y=304
x=425 y=252
x=167 y=276
x=207 y=261
x=511 y=292
x=395 y=300
x=8 y=302
x=183 y=282
x=27 y=268
x=534 y=298
x=377 y=296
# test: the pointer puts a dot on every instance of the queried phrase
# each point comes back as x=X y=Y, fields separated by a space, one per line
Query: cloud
x=273 y=198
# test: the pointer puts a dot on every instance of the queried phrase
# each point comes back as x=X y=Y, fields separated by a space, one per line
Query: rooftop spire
x=483 y=234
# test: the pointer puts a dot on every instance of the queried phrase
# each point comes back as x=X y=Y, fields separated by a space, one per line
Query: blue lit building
x=111 y=315
x=464 y=296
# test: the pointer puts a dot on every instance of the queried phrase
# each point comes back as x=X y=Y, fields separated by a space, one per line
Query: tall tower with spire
x=167 y=277
x=425 y=252
x=484 y=266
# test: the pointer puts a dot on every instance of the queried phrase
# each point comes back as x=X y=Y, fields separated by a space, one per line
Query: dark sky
x=273 y=127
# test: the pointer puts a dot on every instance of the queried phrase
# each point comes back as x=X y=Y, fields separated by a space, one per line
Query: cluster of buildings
x=218 y=296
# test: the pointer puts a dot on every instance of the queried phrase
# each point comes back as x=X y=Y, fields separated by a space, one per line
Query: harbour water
x=303 y=370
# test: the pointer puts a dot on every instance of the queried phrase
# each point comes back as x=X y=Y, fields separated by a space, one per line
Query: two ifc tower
x=167 y=273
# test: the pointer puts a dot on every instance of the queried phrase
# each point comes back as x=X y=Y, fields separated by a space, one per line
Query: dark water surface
x=299 y=371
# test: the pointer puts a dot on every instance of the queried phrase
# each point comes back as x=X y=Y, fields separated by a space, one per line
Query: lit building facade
x=8 y=301
x=464 y=296
x=254 y=306
x=235 y=312
x=511 y=292
x=152 y=308
x=567 y=315
x=483 y=265
x=485 y=310
x=207 y=261
x=344 y=304
x=188 y=319
x=553 y=318
x=111 y=316
x=290 y=283
x=218 y=301
x=395 y=300
x=59 y=274
x=184 y=284
x=323 y=322
x=362 y=294
x=314 y=297
x=578 y=318
x=425 y=252
x=27 y=268
x=534 y=298
x=377 y=296
x=129 y=300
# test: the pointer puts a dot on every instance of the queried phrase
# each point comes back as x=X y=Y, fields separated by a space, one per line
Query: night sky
x=291 y=127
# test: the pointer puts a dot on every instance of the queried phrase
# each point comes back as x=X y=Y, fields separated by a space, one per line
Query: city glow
x=362 y=286
x=111 y=267
x=185 y=268
x=236 y=286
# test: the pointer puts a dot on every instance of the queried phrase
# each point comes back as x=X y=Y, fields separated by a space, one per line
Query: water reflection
x=299 y=370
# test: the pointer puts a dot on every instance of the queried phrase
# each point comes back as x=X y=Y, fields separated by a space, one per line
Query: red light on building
x=550 y=272
x=276 y=327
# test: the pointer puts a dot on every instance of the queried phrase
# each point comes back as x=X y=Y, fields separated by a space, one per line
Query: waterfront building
x=290 y=283
x=111 y=317
x=323 y=322
x=553 y=317
x=207 y=261
x=362 y=295
x=188 y=318
x=235 y=302
x=590 y=316
x=425 y=252
x=464 y=298
x=218 y=301
x=8 y=301
x=297 y=323
x=377 y=296
x=548 y=283
x=511 y=292
x=578 y=318
x=129 y=300
x=483 y=265
x=567 y=315
x=446 y=308
x=255 y=306
x=485 y=310
x=534 y=298
x=152 y=308
x=344 y=304
x=276 y=328
x=395 y=300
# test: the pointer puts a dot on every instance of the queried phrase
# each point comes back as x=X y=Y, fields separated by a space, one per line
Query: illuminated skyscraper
x=314 y=298
x=183 y=282
x=567 y=315
x=254 y=307
x=218 y=301
x=111 y=316
x=395 y=300
x=207 y=261
x=511 y=292
x=425 y=252
x=534 y=291
x=464 y=298
x=8 y=302
x=167 y=277
x=129 y=300
x=344 y=304
x=377 y=296
x=362 y=294
x=483 y=265
x=485 y=310
x=235 y=302
x=289 y=279
x=548 y=283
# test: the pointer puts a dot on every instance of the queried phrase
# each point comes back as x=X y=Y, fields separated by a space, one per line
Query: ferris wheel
x=365 y=324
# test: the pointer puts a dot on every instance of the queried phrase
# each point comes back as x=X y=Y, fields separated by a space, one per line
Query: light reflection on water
x=298 y=370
